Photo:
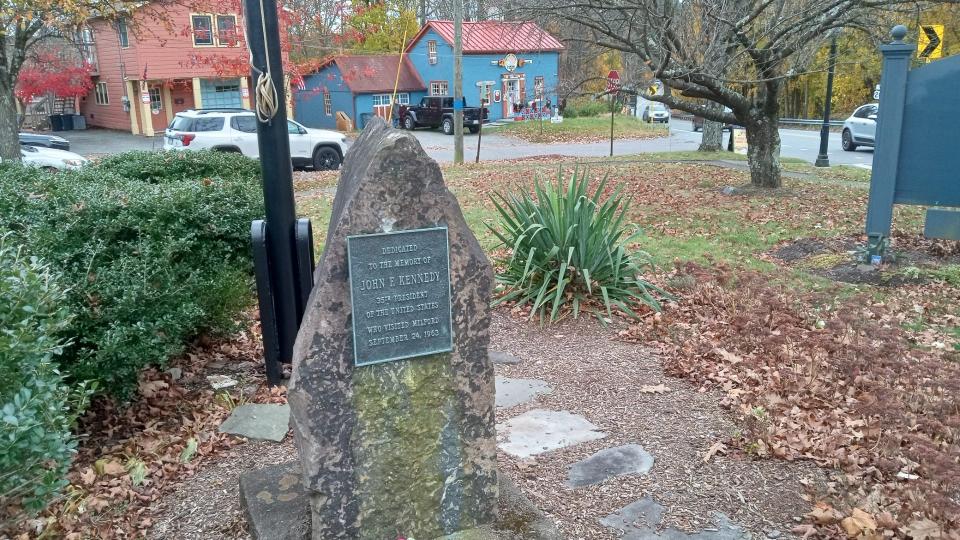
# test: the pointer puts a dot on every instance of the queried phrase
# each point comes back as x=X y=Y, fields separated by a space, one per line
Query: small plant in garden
x=37 y=409
x=570 y=251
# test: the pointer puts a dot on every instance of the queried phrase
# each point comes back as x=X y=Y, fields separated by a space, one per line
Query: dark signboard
x=400 y=289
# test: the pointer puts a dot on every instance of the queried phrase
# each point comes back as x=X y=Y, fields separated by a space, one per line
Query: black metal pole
x=823 y=160
x=263 y=35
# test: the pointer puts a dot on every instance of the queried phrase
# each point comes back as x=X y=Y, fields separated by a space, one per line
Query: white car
x=235 y=130
x=861 y=128
x=656 y=112
x=50 y=158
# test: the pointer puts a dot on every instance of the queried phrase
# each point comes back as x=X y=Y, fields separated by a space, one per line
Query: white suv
x=235 y=130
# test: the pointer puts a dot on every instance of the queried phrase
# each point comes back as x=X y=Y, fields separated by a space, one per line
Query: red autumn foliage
x=54 y=73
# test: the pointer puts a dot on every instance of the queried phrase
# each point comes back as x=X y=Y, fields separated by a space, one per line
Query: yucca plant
x=569 y=251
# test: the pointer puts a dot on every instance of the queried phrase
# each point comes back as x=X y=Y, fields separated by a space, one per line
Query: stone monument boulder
x=394 y=413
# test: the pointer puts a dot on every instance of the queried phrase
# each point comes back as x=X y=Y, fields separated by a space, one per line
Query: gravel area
x=594 y=375
x=207 y=505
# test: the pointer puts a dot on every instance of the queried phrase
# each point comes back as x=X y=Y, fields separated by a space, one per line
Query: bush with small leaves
x=582 y=108
x=569 y=251
x=152 y=254
x=160 y=167
x=37 y=408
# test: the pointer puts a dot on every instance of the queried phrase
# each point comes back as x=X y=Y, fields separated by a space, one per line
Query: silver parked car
x=861 y=128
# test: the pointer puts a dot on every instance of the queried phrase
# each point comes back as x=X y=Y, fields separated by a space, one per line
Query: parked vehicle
x=861 y=128
x=437 y=111
x=235 y=130
x=656 y=112
x=49 y=141
x=50 y=158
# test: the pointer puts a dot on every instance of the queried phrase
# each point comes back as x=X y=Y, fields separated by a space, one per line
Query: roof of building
x=365 y=74
x=495 y=36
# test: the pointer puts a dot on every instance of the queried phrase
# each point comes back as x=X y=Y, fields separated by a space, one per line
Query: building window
x=100 y=92
x=156 y=103
x=382 y=100
x=227 y=30
x=327 y=104
x=485 y=97
x=122 y=33
x=439 y=88
x=202 y=30
x=225 y=88
x=432 y=51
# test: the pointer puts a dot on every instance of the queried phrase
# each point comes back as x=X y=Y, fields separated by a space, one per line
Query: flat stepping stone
x=512 y=392
x=605 y=464
x=641 y=519
x=258 y=421
x=539 y=430
x=498 y=357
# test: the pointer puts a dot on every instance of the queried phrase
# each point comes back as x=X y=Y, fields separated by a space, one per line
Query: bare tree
x=735 y=53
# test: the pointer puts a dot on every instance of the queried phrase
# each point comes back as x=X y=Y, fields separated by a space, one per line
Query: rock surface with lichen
x=404 y=448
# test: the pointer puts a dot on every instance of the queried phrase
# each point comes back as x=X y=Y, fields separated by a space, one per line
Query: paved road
x=795 y=143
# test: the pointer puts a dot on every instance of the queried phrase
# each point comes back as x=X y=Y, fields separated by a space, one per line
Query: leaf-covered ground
x=819 y=359
x=579 y=130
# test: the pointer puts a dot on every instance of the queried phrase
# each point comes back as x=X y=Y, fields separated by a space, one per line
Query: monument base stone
x=277 y=507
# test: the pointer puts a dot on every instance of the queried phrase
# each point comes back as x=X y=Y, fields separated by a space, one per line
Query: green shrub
x=586 y=108
x=37 y=410
x=159 y=167
x=151 y=259
x=569 y=251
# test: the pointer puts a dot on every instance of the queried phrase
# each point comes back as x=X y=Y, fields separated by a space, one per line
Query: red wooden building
x=165 y=58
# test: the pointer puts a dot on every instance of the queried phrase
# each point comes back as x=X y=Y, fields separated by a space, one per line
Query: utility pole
x=458 y=82
x=823 y=160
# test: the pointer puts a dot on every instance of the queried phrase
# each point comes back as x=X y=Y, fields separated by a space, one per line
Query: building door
x=512 y=95
x=221 y=93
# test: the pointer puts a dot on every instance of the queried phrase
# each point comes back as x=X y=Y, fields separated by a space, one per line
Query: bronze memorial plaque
x=400 y=290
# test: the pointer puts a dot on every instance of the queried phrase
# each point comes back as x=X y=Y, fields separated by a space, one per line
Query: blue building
x=357 y=87
x=512 y=66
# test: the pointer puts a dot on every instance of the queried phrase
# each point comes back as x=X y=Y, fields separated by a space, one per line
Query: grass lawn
x=596 y=128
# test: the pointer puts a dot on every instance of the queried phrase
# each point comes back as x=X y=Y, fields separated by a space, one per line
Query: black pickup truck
x=437 y=111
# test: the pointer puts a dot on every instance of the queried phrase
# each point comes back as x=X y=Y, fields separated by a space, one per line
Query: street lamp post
x=823 y=160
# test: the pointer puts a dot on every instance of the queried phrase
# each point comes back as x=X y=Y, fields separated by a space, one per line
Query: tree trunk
x=712 y=133
x=9 y=139
x=763 y=151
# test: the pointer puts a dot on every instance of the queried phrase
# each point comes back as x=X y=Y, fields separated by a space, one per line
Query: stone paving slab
x=498 y=357
x=539 y=430
x=258 y=421
x=610 y=462
x=512 y=392
x=641 y=519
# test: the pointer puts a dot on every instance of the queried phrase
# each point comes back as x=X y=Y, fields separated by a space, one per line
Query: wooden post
x=612 y=96
x=145 y=112
x=132 y=100
x=886 y=160
x=458 y=81
x=197 y=94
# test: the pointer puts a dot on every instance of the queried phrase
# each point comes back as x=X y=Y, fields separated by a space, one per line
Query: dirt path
x=593 y=375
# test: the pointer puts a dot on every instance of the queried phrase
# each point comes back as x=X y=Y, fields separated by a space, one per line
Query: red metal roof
x=365 y=74
x=495 y=36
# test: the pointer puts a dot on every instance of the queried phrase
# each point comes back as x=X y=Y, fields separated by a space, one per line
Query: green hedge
x=154 y=249
x=586 y=108
x=37 y=409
